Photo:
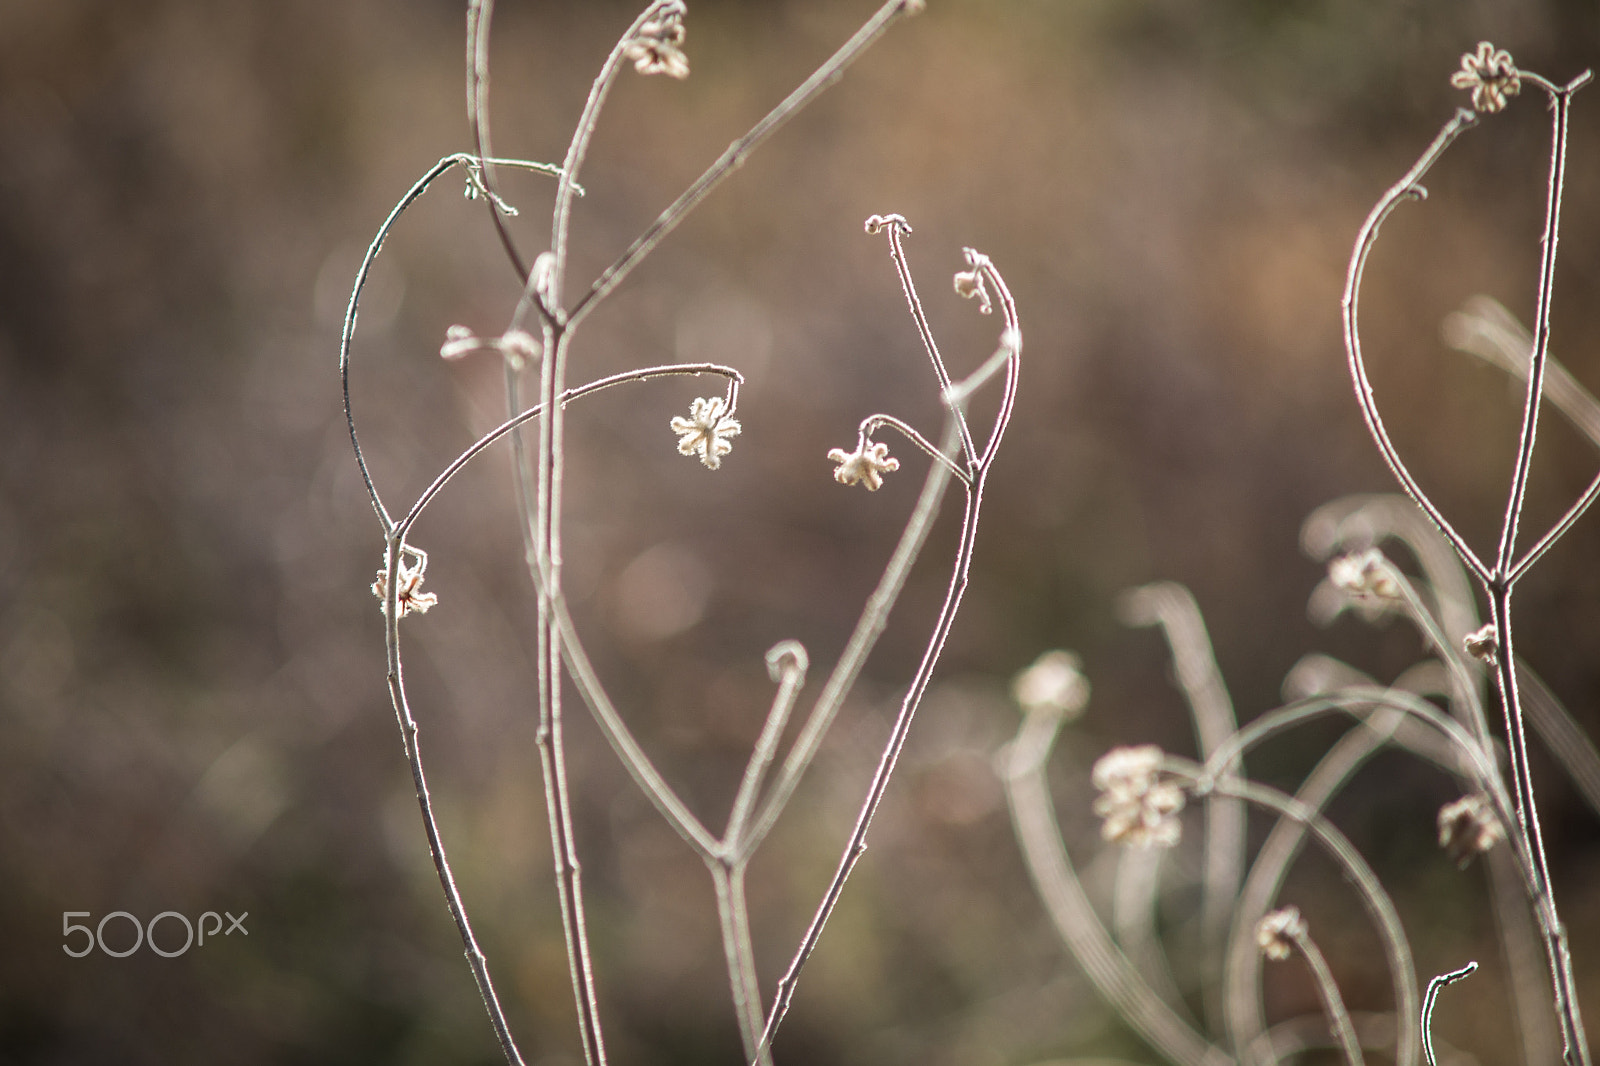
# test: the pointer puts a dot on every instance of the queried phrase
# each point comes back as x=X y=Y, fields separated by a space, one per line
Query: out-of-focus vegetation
x=191 y=675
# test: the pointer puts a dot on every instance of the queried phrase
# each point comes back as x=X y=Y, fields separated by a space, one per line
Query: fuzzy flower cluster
x=1366 y=575
x=1054 y=684
x=706 y=431
x=864 y=466
x=1277 y=933
x=1138 y=807
x=408 y=597
x=1491 y=76
x=1468 y=828
x=658 y=46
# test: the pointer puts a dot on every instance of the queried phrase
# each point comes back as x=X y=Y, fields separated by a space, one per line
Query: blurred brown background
x=191 y=671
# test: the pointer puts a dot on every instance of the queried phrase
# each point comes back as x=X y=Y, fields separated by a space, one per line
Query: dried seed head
x=408 y=596
x=1366 y=575
x=657 y=47
x=706 y=431
x=1054 y=684
x=865 y=466
x=1491 y=75
x=1138 y=807
x=875 y=223
x=1468 y=827
x=1483 y=644
x=1277 y=933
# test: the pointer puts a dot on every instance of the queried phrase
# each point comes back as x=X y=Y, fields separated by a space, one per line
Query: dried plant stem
x=1328 y=989
x=1173 y=608
x=1435 y=986
x=476 y=960
x=933 y=488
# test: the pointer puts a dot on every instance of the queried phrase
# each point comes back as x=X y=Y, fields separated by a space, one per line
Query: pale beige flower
x=657 y=47
x=706 y=431
x=1491 y=75
x=1468 y=827
x=866 y=465
x=1277 y=933
x=1483 y=644
x=1054 y=684
x=1364 y=575
x=1138 y=807
x=408 y=596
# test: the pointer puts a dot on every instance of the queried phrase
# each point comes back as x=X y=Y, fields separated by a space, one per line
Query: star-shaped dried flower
x=1277 y=933
x=706 y=431
x=657 y=48
x=1468 y=828
x=1490 y=74
x=1138 y=807
x=866 y=465
x=408 y=596
x=1054 y=684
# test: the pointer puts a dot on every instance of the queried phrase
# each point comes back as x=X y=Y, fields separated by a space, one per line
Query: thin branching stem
x=348 y=332
x=735 y=155
x=476 y=960
x=931 y=653
x=480 y=13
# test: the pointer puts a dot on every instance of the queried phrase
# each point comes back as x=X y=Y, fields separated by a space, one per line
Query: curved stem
x=529 y=414
x=1434 y=987
x=909 y=432
x=1405 y=188
x=408 y=736
x=897 y=228
x=1356 y=871
x=1172 y=607
x=1332 y=1001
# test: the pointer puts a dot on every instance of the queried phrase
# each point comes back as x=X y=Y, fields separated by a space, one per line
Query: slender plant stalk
x=1499 y=580
x=1332 y=1001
